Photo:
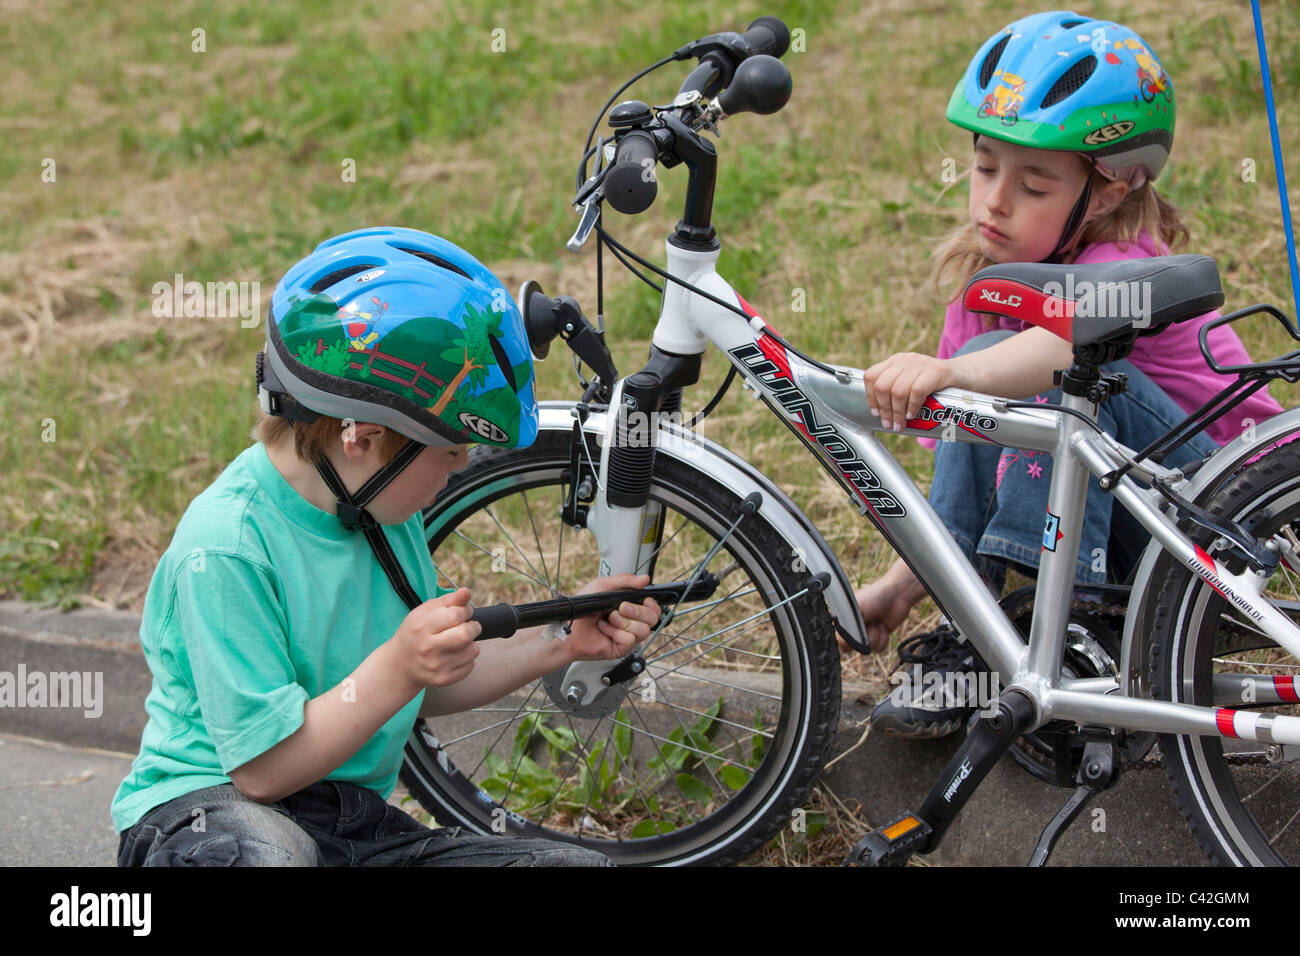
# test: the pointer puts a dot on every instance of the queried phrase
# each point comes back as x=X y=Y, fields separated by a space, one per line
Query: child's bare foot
x=886 y=603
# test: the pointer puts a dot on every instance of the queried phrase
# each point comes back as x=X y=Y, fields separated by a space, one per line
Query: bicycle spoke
x=703 y=642
x=1278 y=835
x=721 y=720
x=663 y=545
x=481 y=730
x=489 y=750
x=515 y=544
x=685 y=734
x=638 y=787
x=720 y=683
x=546 y=573
x=576 y=757
x=520 y=571
x=694 y=750
x=1277 y=776
x=678 y=650
x=647 y=651
x=702 y=653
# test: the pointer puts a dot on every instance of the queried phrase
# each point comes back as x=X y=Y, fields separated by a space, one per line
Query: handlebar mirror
x=541 y=320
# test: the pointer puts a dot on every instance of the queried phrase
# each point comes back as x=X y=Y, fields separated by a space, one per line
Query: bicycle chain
x=1026 y=607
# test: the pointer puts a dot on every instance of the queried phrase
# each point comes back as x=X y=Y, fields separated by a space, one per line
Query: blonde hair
x=958 y=256
x=310 y=441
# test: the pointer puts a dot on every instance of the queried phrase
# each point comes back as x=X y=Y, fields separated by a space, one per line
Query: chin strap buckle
x=354 y=517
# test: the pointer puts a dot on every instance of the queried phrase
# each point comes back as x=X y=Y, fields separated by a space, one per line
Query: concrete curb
x=1139 y=826
x=83 y=641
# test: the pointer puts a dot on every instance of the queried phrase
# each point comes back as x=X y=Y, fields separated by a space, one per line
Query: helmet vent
x=324 y=282
x=1068 y=24
x=503 y=362
x=1070 y=80
x=991 y=61
x=430 y=257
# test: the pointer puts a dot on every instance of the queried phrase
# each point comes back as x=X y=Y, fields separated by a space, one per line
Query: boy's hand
x=899 y=386
x=436 y=641
x=611 y=636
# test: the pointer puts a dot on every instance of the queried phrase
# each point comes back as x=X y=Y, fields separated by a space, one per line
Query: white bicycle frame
x=828 y=412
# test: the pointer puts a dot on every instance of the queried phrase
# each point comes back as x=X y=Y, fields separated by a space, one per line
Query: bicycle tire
x=773 y=770
x=1196 y=631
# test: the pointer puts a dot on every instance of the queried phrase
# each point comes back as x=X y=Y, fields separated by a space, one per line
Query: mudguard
x=1201 y=487
x=739 y=475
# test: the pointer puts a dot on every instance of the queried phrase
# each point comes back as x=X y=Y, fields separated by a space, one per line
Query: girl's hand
x=613 y=635
x=899 y=386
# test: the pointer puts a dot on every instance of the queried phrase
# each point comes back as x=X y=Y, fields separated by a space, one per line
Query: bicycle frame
x=828 y=412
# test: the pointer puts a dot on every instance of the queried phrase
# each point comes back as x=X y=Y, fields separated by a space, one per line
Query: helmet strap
x=1074 y=221
x=352 y=513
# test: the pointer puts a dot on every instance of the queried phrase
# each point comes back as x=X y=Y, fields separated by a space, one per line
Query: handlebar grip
x=630 y=184
x=768 y=35
x=499 y=620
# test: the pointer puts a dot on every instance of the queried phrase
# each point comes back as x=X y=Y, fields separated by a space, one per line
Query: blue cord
x=1277 y=158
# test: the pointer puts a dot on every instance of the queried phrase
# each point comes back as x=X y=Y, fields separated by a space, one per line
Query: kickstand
x=1097 y=771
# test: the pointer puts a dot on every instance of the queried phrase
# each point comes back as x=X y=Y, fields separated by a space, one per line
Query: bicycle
x=700 y=745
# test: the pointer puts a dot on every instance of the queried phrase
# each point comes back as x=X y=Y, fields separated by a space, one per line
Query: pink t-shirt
x=1171 y=358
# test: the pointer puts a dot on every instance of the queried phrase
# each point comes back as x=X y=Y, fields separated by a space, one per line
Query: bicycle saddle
x=1102 y=302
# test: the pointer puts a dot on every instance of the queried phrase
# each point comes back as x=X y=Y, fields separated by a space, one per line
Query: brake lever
x=590 y=213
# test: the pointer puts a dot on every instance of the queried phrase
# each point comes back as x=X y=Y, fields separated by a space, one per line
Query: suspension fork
x=627 y=525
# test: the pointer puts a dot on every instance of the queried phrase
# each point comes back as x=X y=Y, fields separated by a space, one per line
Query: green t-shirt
x=261 y=603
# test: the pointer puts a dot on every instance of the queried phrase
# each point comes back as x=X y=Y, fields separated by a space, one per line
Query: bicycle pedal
x=891 y=845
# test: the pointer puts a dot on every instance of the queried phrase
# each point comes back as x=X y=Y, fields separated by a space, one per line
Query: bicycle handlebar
x=630 y=184
x=754 y=80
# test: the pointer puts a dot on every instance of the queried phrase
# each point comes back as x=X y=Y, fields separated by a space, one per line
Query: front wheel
x=1242 y=798
x=701 y=758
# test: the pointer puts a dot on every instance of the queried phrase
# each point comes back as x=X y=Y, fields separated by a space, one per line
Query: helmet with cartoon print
x=1066 y=82
x=404 y=329
x=1062 y=81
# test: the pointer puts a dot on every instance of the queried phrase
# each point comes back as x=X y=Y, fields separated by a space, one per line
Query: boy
x=289 y=664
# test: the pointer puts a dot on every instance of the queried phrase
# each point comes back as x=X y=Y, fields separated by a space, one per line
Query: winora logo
x=852 y=469
x=1010 y=301
x=1205 y=566
x=1108 y=133
x=482 y=427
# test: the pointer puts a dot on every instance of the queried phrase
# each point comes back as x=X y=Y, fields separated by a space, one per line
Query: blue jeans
x=994 y=500
x=329 y=823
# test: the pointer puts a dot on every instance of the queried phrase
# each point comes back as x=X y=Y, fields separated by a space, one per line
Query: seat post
x=1063 y=521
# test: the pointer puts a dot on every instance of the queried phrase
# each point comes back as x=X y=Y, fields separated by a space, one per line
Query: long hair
x=958 y=256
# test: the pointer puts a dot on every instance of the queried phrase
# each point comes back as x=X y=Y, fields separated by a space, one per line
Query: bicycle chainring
x=1092 y=649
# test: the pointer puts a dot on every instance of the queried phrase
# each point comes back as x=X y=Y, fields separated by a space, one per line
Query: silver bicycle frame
x=828 y=412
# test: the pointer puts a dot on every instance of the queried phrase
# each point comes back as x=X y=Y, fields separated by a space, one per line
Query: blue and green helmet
x=407 y=330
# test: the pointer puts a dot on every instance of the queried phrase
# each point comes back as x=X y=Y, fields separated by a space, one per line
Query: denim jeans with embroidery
x=994 y=500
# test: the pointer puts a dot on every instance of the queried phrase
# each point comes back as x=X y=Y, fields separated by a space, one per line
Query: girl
x=1073 y=119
